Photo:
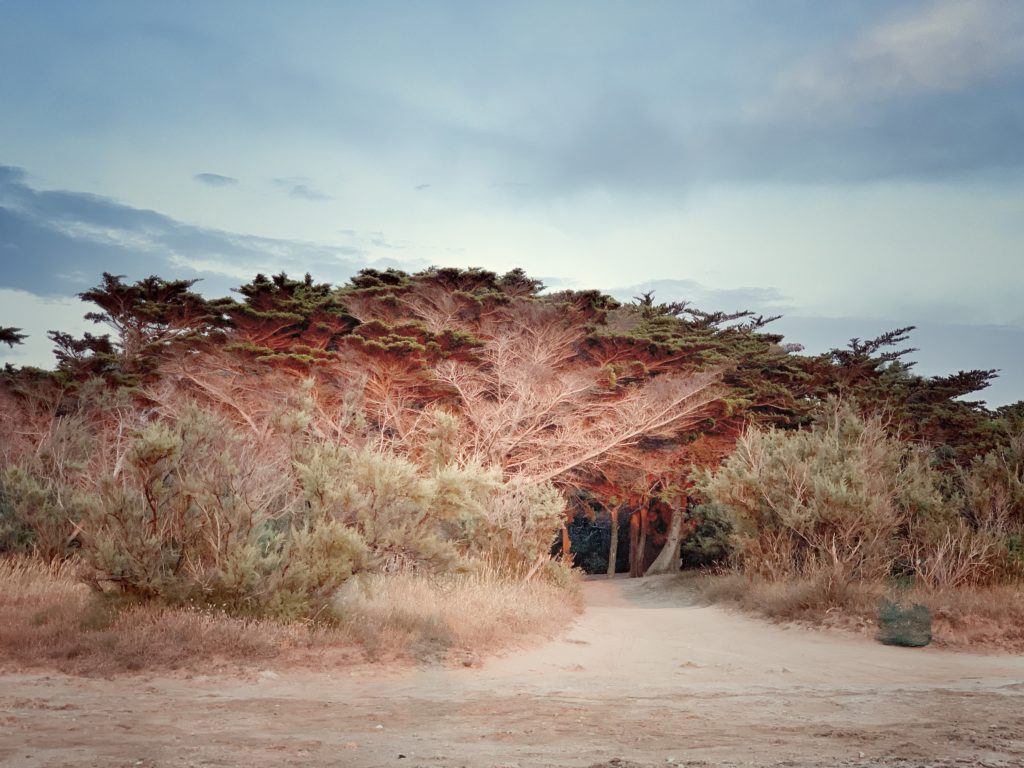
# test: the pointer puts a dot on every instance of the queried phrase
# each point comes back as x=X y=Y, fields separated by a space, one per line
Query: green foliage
x=40 y=501
x=190 y=512
x=834 y=498
x=441 y=519
x=280 y=318
x=11 y=336
x=149 y=317
x=848 y=500
x=198 y=514
x=317 y=559
x=984 y=542
x=518 y=524
x=36 y=514
x=397 y=511
x=197 y=511
x=710 y=541
x=993 y=488
x=928 y=410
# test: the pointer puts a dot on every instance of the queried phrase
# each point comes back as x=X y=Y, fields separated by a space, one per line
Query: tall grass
x=458 y=616
x=978 y=618
x=49 y=619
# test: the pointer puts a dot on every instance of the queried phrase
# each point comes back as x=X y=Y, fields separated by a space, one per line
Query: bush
x=265 y=511
x=197 y=514
x=710 y=541
x=37 y=514
x=397 y=511
x=847 y=500
x=986 y=544
x=518 y=523
x=40 y=498
x=834 y=498
x=189 y=508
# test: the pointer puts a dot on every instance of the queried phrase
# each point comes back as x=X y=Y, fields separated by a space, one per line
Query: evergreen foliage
x=709 y=544
x=11 y=336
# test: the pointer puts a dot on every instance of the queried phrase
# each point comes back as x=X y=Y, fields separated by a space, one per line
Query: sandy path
x=644 y=676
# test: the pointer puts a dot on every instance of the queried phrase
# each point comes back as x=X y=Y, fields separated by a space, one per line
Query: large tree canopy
x=618 y=401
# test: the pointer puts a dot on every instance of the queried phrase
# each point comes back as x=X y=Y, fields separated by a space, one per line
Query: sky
x=855 y=165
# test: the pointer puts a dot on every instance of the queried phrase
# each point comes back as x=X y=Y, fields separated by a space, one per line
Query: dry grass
x=813 y=601
x=979 y=619
x=454 y=616
x=49 y=620
x=984 y=618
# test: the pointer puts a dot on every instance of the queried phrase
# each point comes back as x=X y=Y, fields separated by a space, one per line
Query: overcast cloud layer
x=855 y=161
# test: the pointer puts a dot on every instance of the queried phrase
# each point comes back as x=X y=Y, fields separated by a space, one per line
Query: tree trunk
x=566 y=546
x=635 y=555
x=667 y=560
x=613 y=552
x=639 y=526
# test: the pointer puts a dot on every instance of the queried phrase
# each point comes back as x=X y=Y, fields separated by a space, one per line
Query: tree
x=929 y=411
x=624 y=400
x=11 y=336
x=280 y=318
x=149 y=318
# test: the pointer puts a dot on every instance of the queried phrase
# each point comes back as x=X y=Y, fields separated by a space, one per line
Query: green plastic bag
x=910 y=627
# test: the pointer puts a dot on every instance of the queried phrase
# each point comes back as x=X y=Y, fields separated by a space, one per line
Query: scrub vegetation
x=408 y=465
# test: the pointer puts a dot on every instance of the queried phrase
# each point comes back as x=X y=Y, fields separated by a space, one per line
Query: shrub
x=198 y=513
x=993 y=488
x=194 y=508
x=991 y=497
x=40 y=498
x=518 y=523
x=442 y=519
x=834 y=499
x=847 y=500
x=710 y=541
x=37 y=514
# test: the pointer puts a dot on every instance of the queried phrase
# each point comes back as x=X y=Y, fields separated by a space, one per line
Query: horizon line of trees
x=617 y=406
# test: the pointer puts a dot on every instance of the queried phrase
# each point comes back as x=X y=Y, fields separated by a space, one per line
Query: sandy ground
x=644 y=677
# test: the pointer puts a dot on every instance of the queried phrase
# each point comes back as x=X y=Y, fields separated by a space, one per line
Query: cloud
x=946 y=47
x=11 y=175
x=300 y=188
x=923 y=92
x=422 y=186
x=58 y=243
x=926 y=95
x=700 y=296
x=215 y=179
x=305 y=192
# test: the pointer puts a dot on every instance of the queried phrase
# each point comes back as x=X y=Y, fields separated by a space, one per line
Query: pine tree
x=11 y=336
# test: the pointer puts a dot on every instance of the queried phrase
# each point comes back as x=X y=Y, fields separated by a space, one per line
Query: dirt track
x=644 y=677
